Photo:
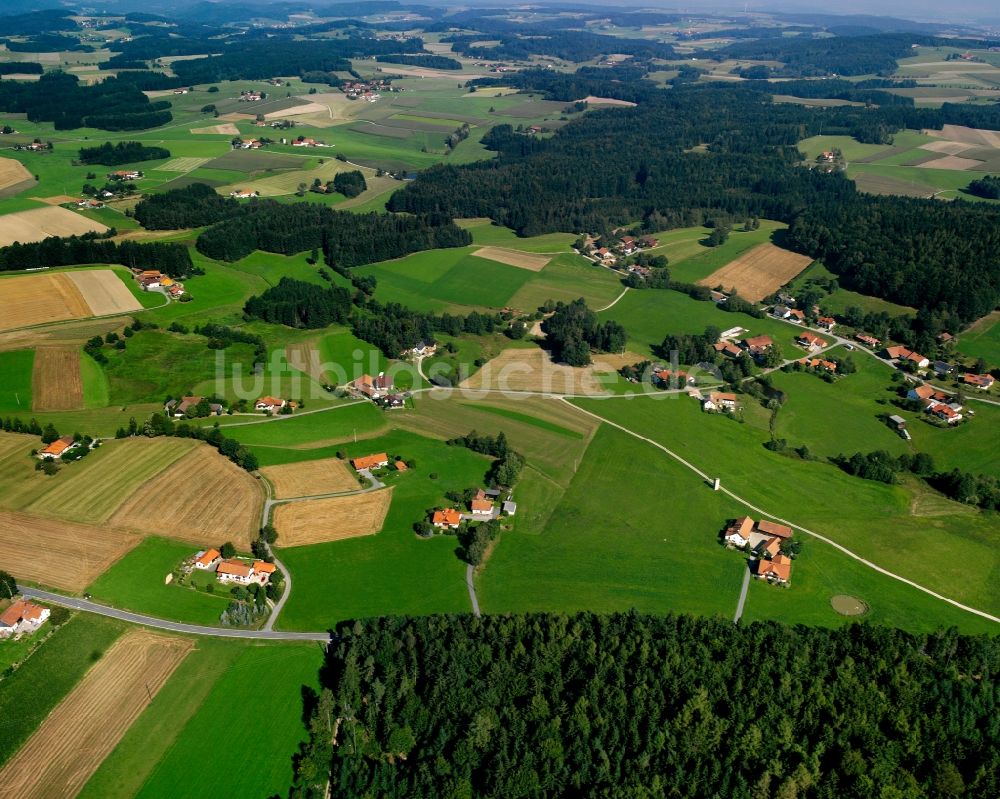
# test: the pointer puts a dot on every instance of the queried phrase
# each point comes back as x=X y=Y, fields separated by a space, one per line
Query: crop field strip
x=183 y=164
x=56 y=382
x=309 y=478
x=759 y=272
x=95 y=489
x=104 y=292
x=27 y=300
x=14 y=177
x=41 y=223
x=317 y=521
x=522 y=260
x=86 y=726
x=201 y=497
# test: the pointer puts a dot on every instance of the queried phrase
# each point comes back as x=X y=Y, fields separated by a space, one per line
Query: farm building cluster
x=486 y=504
x=768 y=542
x=611 y=253
x=380 y=389
x=154 y=280
x=239 y=571
x=370 y=90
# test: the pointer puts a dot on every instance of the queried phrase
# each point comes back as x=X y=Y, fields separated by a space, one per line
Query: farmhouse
x=982 y=382
x=251 y=97
x=376 y=461
x=263 y=570
x=947 y=412
x=738 y=533
x=234 y=571
x=942 y=368
x=827 y=323
x=777 y=570
x=774 y=529
x=447 y=518
x=481 y=508
x=125 y=174
x=244 y=194
x=22 y=617
x=728 y=349
x=422 y=349
x=207 y=559
x=180 y=407
x=272 y=404
x=819 y=363
x=628 y=245
x=720 y=401
x=810 y=341
x=57 y=448
x=908 y=355
x=664 y=378
x=871 y=341
x=247 y=144
x=757 y=345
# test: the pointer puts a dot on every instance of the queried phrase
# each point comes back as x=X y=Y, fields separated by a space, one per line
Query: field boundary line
x=762 y=512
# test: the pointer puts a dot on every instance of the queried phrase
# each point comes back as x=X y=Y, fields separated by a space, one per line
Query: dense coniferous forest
x=191 y=206
x=751 y=169
x=552 y=39
x=298 y=304
x=61 y=99
x=346 y=239
x=21 y=68
x=171 y=259
x=807 y=57
x=420 y=60
x=987 y=187
x=125 y=152
x=573 y=330
x=637 y=706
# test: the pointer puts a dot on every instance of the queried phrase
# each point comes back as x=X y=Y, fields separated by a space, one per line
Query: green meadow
x=982 y=340
x=15 y=388
x=690 y=260
x=136 y=583
x=393 y=571
x=893 y=526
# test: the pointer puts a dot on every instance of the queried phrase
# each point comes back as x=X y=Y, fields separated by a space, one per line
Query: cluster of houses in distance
x=622 y=248
x=763 y=539
x=369 y=90
x=379 y=390
x=233 y=570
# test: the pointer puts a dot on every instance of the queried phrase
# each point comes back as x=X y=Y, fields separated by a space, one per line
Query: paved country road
x=171 y=626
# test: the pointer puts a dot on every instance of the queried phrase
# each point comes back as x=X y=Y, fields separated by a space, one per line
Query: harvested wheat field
x=40 y=223
x=946 y=147
x=69 y=333
x=235 y=117
x=87 y=725
x=955 y=162
x=56 y=384
x=202 y=496
x=14 y=177
x=325 y=476
x=297 y=110
x=522 y=260
x=36 y=299
x=225 y=129
x=57 y=553
x=59 y=199
x=182 y=164
x=104 y=291
x=591 y=100
x=318 y=521
x=96 y=487
x=533 y=370
x=960 y=133
x=758 y=272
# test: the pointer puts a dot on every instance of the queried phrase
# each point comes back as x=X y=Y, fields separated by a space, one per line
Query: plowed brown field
x=325 y=476
x=317 y=521
x=56 y=384
x=202 y=496
x=87 y=725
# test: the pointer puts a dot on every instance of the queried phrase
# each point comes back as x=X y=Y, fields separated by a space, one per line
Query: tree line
x=420 y=60
x=159 y=424
x=596 y=705
x=171 y=259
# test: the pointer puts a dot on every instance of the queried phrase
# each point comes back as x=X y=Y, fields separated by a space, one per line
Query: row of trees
x=160 y=424
x=593 y=705
x=171 y=259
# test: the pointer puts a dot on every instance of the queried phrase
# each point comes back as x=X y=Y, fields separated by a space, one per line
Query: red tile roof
x=448 y=516
x=370 y=461
x=773 y=528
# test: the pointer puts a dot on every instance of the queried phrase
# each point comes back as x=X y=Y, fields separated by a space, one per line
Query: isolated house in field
x=448 y=518
x=57 y=448
x=272 y=404
x=125 y=174
x=376 y=461
x=22 y=617
x=738 y=533
x=982 y=382
x=422 y=349
x=180 y=407
x=777 y=570
x=207 y=559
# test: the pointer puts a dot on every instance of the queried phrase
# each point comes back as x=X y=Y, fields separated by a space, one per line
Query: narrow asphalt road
x=470 y=583
x=170 y=626
x=743 y=595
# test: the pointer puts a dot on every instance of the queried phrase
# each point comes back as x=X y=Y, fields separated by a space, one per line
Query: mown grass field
x=393 y=571
x=691 y=261
x=982 y=340
x=883 y=523
x=486 y=234
x=838 y=301
x=15 y=388
x=566 y=278
x=657 y=552
x=251 y=748
x=136 y=583
x=269 y=437
x=38 y=685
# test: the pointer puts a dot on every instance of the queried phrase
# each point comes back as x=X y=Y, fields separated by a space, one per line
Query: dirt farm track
x=86 y=726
